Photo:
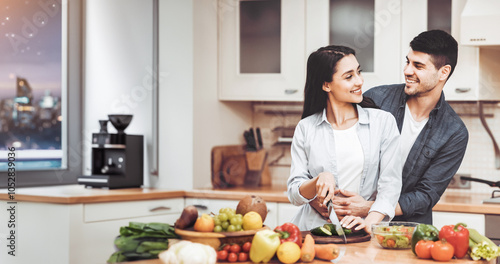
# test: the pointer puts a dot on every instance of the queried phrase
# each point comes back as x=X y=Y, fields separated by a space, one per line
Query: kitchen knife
x=259 y=138
x=335 y=220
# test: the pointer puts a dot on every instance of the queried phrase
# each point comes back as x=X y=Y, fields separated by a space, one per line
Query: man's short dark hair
x=441 y=46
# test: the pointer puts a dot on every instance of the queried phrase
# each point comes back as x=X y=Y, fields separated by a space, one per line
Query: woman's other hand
x=325 y=187
x=351 y=221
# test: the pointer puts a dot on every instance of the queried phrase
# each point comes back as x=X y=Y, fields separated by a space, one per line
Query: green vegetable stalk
x=481 y=246
x=424 y=232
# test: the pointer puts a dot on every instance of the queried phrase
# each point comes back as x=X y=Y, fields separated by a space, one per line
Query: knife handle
x=259 y=138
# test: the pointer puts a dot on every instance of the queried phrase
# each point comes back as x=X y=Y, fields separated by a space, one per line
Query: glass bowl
x=394 y=235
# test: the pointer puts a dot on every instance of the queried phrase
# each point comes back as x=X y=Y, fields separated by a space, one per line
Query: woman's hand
x=351 y=221
x=325 y=187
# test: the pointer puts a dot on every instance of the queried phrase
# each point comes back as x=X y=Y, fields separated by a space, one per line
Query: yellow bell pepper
x=264 y=246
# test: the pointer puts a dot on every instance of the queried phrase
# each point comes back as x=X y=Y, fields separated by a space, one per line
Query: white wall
x=118 y=63
x=215 y=122
x=176 y=94
x=191 y=118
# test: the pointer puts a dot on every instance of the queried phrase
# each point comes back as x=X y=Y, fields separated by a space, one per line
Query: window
x=39 y=80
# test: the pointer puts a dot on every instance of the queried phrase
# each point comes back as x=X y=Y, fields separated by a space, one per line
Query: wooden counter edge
x=94 y=198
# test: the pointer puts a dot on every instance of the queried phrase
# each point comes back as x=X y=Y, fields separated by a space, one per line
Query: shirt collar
x=436 y=108
x=362 y=116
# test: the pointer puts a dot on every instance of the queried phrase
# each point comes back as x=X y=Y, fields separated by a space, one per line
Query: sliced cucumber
x=330 y=227
x=321 y=231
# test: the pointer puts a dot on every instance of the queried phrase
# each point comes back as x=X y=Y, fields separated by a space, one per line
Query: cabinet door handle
x=462 y=90
x=200 y=206
x=290 y=91
x=160 y=208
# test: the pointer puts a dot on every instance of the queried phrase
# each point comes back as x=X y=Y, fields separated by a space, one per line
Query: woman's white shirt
x=350 y=158
x=313 y=151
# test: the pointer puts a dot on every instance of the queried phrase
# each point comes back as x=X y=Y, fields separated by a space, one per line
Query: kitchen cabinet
x=207 y=206
x=246 y=50
x=261 y=50
x=80 y=233
x=416 y=18
x=371 y=28
x=476 y=221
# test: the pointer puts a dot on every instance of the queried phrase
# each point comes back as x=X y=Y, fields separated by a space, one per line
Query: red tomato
x=442 y=250
x=246 y=247
x=222 y=255
x=242 y=257
x=235 y=248
x=232 y=257
x=423 y=248
x=226 y=247
x=391 y=243
x=380 y=239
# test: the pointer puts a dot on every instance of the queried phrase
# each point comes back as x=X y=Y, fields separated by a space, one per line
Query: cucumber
x=321 y=231
x=331 y=227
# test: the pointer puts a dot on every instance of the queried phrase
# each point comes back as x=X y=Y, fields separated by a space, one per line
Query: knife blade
x=335 y=220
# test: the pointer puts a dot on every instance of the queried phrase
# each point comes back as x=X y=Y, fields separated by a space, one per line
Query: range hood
x=479 y=23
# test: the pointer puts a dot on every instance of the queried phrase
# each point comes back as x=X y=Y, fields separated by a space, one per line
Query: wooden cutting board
x=234 y=166
x=353 y=238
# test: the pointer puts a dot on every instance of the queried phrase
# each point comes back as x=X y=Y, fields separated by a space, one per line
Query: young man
x=433 y=137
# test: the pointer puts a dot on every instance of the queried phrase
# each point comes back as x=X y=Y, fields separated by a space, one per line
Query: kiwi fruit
x=252 y=203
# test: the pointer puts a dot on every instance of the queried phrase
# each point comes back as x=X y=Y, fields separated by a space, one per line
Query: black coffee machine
x=117 y=159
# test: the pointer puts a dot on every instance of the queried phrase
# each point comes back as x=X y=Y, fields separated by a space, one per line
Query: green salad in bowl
x=394 y=235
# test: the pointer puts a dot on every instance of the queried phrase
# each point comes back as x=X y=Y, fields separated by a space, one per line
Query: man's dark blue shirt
x=434 y=158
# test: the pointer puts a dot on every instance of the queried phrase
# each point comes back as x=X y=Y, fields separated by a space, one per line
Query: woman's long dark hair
x=321 y=66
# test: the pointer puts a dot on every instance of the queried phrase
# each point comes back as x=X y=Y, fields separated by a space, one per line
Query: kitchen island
x=365 y=252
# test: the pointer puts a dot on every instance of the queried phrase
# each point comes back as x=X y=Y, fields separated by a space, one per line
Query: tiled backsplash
x=278 y=120
x=479 y=160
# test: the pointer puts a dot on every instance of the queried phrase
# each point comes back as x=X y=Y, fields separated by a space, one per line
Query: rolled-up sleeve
x=390 y=176
x=298 y=170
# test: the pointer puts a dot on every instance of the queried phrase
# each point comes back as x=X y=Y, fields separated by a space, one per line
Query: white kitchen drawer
x=121 y=210
x=476 y=221
x=286 y=211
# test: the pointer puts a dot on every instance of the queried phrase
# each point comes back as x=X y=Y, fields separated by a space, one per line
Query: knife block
x=234 y=166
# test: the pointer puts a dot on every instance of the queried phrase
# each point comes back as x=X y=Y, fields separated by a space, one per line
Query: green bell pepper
x=424 y=232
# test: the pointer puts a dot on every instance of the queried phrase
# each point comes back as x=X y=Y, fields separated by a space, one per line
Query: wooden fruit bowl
x=215 y=240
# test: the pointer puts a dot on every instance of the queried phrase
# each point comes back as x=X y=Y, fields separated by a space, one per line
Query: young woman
x=341 y=143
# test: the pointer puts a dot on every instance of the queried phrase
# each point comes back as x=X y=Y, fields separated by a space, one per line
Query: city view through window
x=31 y=83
